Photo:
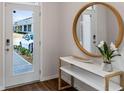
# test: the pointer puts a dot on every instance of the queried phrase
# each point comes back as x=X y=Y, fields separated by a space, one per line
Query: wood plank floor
x=50 y=85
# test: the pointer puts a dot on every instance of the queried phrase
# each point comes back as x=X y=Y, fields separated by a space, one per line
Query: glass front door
x=22 y=43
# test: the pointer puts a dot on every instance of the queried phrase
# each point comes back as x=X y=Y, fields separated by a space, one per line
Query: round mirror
x=97 y=22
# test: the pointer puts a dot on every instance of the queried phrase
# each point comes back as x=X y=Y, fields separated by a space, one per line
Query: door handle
x=7 y=49
x=7 y=42
x=94 y=37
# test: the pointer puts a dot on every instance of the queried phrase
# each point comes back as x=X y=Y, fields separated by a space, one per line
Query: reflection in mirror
x=95 y=24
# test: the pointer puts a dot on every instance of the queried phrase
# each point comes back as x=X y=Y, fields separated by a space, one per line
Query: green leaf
x=111 y=53
x=115 y=55
x=101 y=51
x=106 y=49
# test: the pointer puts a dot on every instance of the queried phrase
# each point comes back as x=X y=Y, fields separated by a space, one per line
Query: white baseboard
x=49 y=77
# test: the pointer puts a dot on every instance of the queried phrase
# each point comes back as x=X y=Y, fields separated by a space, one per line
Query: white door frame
x=37 y=51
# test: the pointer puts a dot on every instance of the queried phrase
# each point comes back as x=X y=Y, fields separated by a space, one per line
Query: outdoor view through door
x=22 y=41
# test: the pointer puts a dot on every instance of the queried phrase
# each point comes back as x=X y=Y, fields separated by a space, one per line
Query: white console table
x=89 y=72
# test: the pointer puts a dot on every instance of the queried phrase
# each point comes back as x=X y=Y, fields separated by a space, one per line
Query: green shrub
x=28 y=53
x=18 y=48
x=23 y=51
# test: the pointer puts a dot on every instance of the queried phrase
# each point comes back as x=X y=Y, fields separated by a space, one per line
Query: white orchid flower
x=101 y=44
x=112 y=46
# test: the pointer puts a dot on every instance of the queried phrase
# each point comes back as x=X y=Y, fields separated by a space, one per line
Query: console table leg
x=59 y=79
x=72 y=81
x=106 y=84
x=122 y=80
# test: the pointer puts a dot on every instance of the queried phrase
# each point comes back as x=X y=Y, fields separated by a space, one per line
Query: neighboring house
x=23 y=26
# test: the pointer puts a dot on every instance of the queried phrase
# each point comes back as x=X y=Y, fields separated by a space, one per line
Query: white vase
x=107 y=67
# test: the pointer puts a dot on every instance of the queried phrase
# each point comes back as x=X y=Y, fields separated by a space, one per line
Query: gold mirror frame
x=120 y=25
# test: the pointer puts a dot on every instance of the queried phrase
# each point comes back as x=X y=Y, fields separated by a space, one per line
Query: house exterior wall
x=24 y=26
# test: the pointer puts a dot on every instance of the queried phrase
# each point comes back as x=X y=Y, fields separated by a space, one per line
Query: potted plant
x=107 y=52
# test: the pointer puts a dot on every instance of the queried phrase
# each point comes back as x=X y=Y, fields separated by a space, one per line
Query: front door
x=22 y=43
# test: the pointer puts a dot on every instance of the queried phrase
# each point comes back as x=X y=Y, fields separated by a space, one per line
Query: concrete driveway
x=20 y=64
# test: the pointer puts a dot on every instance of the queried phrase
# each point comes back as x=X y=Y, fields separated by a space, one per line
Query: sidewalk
x=20 y=64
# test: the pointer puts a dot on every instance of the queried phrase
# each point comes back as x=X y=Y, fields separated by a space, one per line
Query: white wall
x=50 y=40
x=101 y=23
x=1 y=49
x=112 y=26
x=68 y=12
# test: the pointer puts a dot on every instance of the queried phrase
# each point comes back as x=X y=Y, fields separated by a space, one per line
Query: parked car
x=27 y=42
